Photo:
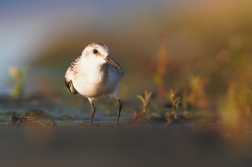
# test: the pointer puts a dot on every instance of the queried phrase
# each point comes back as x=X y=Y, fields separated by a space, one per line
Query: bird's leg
x=119 y=109
x=93 y=109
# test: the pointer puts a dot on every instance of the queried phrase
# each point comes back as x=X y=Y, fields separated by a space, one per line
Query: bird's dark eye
x=95 y=51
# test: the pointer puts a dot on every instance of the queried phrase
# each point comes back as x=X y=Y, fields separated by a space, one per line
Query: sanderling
x=94 y=74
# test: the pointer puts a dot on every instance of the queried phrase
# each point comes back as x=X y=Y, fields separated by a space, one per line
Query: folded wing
x=70 y=87
x=71 y=71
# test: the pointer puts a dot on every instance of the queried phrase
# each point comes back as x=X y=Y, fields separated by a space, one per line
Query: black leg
x=119 y=110
x=93 y=110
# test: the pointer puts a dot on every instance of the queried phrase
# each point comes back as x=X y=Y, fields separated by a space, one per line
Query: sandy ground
x=185 y=143
x=119 y=147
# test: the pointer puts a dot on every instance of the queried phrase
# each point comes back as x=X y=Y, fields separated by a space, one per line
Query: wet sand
x=119 y=147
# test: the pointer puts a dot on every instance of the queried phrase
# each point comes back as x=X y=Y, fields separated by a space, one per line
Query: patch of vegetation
x=17 y=76
x=175 y=102
x=139 y=117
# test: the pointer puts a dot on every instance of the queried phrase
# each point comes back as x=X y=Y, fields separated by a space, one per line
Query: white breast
x=91 y=81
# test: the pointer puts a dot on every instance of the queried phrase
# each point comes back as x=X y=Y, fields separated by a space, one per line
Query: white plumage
x=94 y=74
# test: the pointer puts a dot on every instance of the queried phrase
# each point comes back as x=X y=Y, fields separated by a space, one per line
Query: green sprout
x=175 y=103
x=145 y=100
x=139 y=117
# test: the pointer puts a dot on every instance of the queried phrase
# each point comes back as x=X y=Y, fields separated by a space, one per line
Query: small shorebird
x=94 y=74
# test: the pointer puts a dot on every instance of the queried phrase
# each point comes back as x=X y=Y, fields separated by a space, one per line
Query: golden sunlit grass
x=175 y=102
x=234 y=110
x=139 y=117
x=17 y=76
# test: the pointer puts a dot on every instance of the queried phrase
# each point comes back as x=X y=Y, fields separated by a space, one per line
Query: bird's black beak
x=112 y=62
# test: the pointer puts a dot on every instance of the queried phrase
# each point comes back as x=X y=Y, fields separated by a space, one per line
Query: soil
x=50 y=135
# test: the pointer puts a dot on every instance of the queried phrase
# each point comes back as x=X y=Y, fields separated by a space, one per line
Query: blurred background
x=201 y=48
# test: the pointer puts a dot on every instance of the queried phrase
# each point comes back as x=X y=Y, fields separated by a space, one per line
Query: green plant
x=139 y=117
x=175 y=102
x=18 y=77
x=145 y=100
x=197 y=96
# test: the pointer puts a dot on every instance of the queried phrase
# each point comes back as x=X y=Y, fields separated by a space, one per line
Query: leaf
x=142 y=99
x=148 y=95
x=177 y=101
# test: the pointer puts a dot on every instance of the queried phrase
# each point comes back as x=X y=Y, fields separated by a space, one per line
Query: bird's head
x=99 y=53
